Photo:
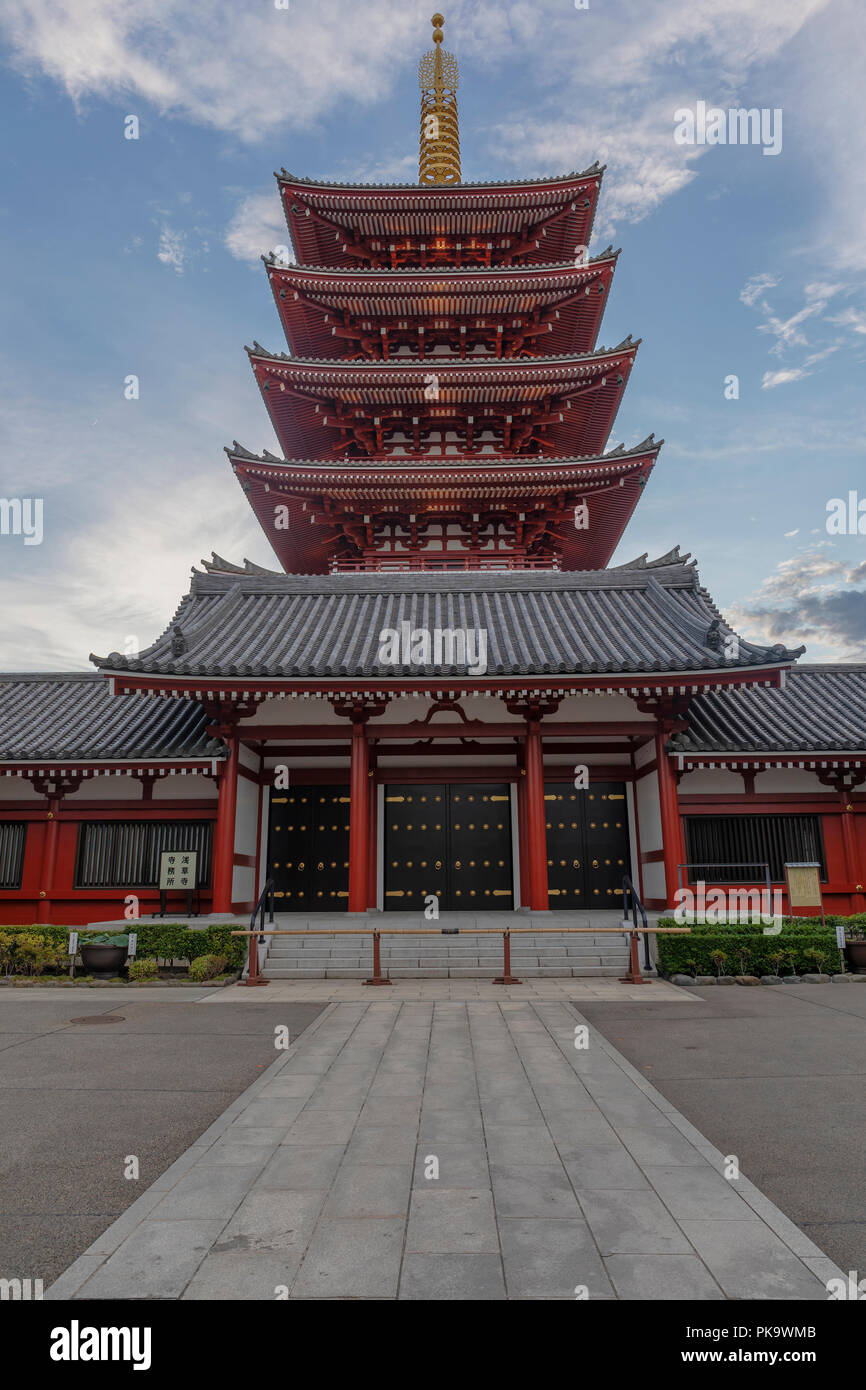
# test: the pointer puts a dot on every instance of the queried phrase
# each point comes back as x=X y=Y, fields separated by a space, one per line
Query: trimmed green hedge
x=748 y=951
x=166 y=941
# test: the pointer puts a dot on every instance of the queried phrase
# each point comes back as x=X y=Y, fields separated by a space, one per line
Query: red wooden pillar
x=224 y=838
x=672 y=840
x=372 y=841
x=522 y=836
x=535 y=816
x=49 y=860
x=359 y=809
x=851 y=849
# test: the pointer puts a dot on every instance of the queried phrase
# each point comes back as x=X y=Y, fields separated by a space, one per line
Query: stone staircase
x=328 y=951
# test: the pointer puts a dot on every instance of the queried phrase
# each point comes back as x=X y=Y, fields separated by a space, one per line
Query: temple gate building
x=443 y=688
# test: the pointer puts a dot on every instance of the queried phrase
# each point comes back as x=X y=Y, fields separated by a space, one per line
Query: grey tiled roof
x=74 y=716
x=597 y=169
x=642 y=618
x=821 y=708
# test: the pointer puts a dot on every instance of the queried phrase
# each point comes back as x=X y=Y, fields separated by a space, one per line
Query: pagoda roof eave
x=644 y=625
x=457 y=464
x=534 y=270
x=518 y=366
x=594 y=171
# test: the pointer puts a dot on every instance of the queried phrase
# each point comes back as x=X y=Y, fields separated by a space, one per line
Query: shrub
x=146 y=969
x=207 y=967
x=28 y=953
x=164 y=941
x=801 y=948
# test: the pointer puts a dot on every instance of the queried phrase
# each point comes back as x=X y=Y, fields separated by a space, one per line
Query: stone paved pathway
x=559 y=1170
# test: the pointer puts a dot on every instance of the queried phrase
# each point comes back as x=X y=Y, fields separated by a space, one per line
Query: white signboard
x=132 y=945
x=73 y=942
x=177 y=869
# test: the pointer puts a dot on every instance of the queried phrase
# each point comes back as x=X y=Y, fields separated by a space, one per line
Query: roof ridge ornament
x=438 y=78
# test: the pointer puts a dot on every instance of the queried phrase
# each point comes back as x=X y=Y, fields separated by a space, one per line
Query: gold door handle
x=575 y=863
x=320 y=866
x=438 y=864
x=457 y=864
x=300 y=866
x=595 y=863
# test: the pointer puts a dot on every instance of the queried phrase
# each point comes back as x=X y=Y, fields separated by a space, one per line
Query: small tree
x=818 y=958
x=719 y=958
x=777 y=960
x=743 y=956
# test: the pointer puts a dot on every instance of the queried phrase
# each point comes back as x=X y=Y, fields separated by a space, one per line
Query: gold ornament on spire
x=440 y=136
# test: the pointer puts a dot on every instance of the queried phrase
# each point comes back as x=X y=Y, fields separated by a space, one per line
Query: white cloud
x=855 y=319
x=172 y=249
x=242 y=68
x=257 y=227
x=782 y=378
x=756 y=287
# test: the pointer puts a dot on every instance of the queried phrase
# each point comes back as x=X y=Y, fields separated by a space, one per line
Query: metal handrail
x=257 y=939
x=636 y=907
x=732 y=864
x=259 y=909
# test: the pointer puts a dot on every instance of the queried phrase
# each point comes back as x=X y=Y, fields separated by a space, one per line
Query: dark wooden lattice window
x=125 y=854
x=712 y=841
x=12 y=837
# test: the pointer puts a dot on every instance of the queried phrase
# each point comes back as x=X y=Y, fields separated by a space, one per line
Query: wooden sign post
x=804 y=887
x=178 y=869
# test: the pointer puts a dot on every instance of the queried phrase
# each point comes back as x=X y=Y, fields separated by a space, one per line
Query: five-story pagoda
x=443 y=404
x=402 y=710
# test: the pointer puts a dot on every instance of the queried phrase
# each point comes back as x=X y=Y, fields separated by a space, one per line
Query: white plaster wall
x=192 y=787
x=515 y=849
x=248 y=757
x=645 y=753
x=654 y=881
x=243 y=884
x=789 y=779
x=575 y=709
x=634 y=872
x=108 y=789
x=246 y=817
x=705 y=781
x=648 y=816
x=18 y=789
x=300 y=711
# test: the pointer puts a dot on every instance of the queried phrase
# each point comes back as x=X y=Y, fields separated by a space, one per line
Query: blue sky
x=141 y=257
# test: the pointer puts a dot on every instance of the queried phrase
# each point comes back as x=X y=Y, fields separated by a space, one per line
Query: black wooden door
x=587 y=844
x=416 y=846
x=479 y=851
x=308 y=853
x=452 y=842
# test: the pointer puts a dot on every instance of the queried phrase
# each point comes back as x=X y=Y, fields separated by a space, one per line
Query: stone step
x=446 y=972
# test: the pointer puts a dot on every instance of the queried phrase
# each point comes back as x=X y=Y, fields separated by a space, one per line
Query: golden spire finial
x=440 y=136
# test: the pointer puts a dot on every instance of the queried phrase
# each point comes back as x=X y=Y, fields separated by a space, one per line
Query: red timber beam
x=54 y=790
x=656 y=685
x=225 y=726
x=843 y=783
x=671 y=718
x=536 y=812
x=361 y=800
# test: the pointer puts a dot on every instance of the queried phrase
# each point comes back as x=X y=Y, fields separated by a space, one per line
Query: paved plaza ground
x=78 y=1098
x=311 y=1173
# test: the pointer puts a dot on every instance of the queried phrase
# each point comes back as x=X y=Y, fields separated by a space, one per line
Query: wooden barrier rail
x=254 y=976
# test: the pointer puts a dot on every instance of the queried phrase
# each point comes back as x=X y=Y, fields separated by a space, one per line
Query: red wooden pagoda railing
x=408 y=563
